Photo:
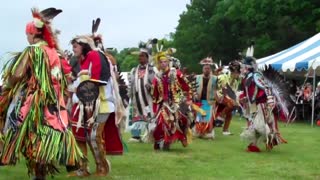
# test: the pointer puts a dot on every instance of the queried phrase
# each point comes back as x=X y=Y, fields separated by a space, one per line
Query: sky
x=124 y=23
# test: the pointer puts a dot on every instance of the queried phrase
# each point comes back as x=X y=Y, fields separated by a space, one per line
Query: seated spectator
x=307 y=92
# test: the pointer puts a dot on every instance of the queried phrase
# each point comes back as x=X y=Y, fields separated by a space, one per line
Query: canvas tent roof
x=296 y=58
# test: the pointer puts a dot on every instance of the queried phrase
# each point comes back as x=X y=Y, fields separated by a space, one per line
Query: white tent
x=297 y=58
x=303 y=56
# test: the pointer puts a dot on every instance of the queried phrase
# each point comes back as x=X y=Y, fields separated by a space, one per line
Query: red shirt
x=100 y=69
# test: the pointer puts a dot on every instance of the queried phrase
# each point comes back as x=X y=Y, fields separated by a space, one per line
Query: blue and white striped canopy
x=299 y=57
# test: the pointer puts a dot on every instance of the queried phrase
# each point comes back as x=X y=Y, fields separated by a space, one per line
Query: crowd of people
x=302 y=97
x=54 y=106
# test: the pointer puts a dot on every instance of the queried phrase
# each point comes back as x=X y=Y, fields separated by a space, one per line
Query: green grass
x=222 y=158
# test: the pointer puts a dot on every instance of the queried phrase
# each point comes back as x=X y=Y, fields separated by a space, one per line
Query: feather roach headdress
x=94 y=40
x=249 y=59
x=146 y=47
x=209 y=61
x=167 y=55
x=97 y=38
x=41 y=25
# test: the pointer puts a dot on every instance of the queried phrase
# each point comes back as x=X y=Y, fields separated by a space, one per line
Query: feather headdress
x=209 y=61
x=280 y=90
x=85 y=39
x=250 y=50
x=41 y=24
x=94 y=40
x=97 y=38
x=249 y=59
x=167 y=55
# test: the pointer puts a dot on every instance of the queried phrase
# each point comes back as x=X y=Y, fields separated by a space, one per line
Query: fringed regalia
x=109 y=102
x=108 y=109
x=227 y=87
x=168 y=90
x=97 y=121
x=140 y=82
x=260 y=98
x=206 y=94
x=33 y=111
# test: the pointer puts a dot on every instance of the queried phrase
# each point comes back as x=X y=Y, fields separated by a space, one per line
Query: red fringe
x=48 y=37
x=47 y=34
x=36 y=14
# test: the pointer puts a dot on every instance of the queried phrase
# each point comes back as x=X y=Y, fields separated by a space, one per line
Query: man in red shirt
x=96 y=123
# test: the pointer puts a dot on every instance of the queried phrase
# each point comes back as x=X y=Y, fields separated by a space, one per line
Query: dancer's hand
x=90 y=121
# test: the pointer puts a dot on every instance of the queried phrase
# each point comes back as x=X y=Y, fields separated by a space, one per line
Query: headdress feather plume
x=43 y=20
x=95 y=26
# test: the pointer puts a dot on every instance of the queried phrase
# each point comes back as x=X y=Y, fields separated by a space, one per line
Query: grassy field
x=222 y=158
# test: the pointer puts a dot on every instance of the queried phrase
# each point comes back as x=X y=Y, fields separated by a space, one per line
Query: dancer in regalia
x=227 y=88
x=34 y=119
x=96 y=119
x=167 y=88
x=206 y=87
x=261 y=97
x=140 y=79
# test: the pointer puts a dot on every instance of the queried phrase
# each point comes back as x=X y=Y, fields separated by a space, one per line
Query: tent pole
x=313 y=96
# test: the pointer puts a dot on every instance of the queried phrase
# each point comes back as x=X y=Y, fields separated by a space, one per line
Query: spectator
x=307 y=92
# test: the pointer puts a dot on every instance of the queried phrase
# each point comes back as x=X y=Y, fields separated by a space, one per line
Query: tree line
x=223 y=28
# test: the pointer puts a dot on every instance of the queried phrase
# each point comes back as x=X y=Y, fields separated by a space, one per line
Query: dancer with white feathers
x=260 y=98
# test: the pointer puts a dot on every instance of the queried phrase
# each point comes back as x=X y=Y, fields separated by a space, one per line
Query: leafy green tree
x=223 y=28
x=126 y=59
